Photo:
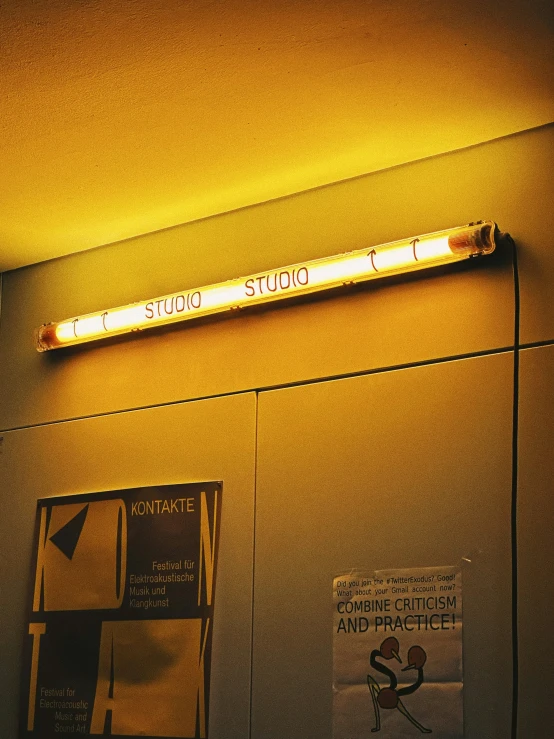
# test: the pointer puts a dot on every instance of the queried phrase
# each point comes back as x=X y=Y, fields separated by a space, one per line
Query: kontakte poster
x=397 y=654
x=118 y=640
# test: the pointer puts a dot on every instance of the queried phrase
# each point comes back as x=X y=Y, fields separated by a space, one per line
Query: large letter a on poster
x=149 y=677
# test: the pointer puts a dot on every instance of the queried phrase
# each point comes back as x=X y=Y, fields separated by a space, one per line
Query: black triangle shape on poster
x=67 y=537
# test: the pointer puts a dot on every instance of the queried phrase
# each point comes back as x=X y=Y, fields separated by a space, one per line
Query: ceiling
x=122 y=117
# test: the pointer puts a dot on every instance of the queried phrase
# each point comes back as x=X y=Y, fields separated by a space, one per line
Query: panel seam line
x=514 y=502
x=254 y=512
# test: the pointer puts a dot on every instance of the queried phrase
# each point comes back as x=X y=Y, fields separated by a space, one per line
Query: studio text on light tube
x=406 y=255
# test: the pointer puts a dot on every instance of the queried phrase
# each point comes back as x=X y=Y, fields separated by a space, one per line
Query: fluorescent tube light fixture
x=406 y=255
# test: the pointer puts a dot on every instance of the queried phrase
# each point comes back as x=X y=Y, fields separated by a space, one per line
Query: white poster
x=397 y=653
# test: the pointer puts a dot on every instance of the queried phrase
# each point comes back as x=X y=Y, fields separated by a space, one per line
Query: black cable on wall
x=515 y=422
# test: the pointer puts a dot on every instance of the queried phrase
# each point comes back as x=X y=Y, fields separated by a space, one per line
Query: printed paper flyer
x=118 y=640
x=397 y=653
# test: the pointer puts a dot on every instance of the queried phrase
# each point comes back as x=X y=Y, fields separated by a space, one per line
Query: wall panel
x=532 y=225
x=205 y=440
x=400 y=469
x=535 y=552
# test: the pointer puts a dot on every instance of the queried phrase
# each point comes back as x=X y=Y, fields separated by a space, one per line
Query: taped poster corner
x=471 y=558
x=397 y=653
x=119 y=631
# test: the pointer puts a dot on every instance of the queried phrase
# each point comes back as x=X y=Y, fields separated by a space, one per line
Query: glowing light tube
x=406 y=255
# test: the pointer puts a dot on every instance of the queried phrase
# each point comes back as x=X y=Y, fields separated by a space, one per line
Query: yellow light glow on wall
x=406 y=255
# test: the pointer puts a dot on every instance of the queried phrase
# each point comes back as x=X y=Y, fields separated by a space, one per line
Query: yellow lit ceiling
x=122 y=117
